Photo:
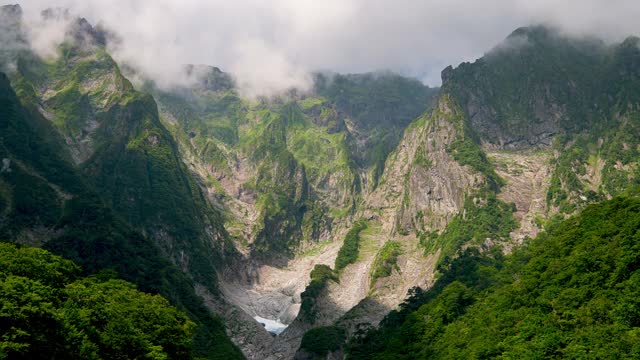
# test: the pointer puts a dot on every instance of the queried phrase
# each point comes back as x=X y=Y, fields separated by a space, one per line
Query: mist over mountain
x=207 y=180
x=270 y=48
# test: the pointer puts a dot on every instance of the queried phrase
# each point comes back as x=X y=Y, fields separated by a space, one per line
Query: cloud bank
x=272 y=45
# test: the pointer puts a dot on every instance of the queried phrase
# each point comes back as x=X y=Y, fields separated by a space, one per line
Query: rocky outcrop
x=423 y=185
x=527 y=175
x=537 y=83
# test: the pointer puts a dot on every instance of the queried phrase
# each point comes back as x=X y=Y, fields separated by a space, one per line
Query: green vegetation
x=422 y=160
x=540 y=85
x=520 y=83
x=348 y=253
x=48 y=311
x=298 y=145
x=571 y=293
x=46 y=192
x=380 y=104
x=322 y=340
x=467 y=152
x=386 y=261
x=320 y=275
x=316 y=249
x=484 y=217
x=610 y=150
x=136 y=163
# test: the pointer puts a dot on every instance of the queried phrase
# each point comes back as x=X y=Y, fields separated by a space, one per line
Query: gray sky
x=271 y=45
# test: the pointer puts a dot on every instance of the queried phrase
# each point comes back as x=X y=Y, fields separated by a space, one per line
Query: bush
x=322 y=340
x=348 y=253
x=320 y=275
x=386 y=260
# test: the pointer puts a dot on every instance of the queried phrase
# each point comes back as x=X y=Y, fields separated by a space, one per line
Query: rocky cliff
x=317 y=209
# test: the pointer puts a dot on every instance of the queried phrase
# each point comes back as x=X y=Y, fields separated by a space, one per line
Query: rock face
x=423 y=186
x=289 y=173
x=527 y=176
x=80 y=125
x=46 y=201
x=534 y=85
x=527 y=111
x=246 y=197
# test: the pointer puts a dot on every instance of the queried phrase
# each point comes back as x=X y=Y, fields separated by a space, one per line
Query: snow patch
x=273 y=326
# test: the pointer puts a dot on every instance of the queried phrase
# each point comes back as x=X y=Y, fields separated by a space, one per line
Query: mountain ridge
x=242 y=199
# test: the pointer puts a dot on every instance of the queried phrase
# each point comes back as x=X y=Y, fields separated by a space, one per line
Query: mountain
x=289 y=174
x=314 y=213
x=570 y=293
x=117 y=180
x=323 y=147
x=50 y=199
x=576 y=96
x=534 y=131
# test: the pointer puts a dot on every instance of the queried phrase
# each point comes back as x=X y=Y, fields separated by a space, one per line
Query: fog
x=273 y=45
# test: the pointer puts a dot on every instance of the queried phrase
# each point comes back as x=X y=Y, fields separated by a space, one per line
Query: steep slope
x=289 y=172
x=46 y=202
x=115 y=136
x=266 y=153
x=570 y=293
x=437 y=195
x=518 y=139
x=577 y=96
x=62 y=128
x=331 y=143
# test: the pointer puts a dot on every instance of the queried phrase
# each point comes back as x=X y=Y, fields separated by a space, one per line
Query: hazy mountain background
x=214 y=155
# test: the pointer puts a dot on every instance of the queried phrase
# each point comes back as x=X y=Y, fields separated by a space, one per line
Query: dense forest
x=572 y=292
x=48 y=311
x=364 y=216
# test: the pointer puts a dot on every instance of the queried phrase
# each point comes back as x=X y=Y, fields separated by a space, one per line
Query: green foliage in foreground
x=348 y=253
x=49 y=312
x=320 y=341
x=83 y=228
x=574 y=293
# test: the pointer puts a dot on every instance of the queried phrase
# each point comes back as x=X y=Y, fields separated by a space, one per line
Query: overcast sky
x=272 y=44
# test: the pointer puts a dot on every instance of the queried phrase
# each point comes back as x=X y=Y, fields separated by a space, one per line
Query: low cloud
x=271 y=46
x=46 y=31
x=12 y=40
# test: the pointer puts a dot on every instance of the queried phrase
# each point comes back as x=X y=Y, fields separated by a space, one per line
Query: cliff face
x=290 y=174
x=423 y=185
x=96 y=177
x=533 y=86
x=543 y=90
x=291 y=168
x=518 y=139
x=510 y=142
x=240 y=199
x=114 y=136
x=46 y=201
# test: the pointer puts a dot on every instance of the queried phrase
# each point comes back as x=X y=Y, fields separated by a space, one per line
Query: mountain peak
x=536 y=32
x=14 y=10
x=210 y=77
x=79 y=30
x=631 y=41
x=10 y=16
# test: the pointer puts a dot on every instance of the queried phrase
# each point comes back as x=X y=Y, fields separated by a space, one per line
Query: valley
x=368 y=216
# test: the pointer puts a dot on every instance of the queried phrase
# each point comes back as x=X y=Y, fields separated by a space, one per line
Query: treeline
x=573 y=292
